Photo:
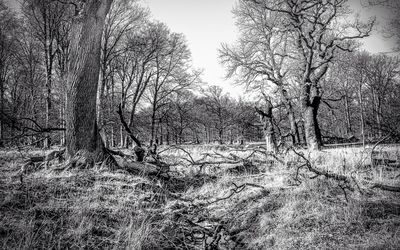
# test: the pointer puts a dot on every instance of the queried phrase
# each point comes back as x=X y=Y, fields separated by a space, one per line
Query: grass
x=97 y=209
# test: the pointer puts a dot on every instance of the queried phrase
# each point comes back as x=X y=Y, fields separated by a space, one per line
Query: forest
x=110 y=138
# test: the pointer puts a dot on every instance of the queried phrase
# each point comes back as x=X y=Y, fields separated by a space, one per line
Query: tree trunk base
x=84 y=159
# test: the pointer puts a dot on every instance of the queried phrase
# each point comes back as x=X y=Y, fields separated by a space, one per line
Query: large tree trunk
x=310 y=101
x=82 y=82
x=312 y=131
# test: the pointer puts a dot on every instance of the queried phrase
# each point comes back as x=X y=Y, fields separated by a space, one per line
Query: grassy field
x=214 y=197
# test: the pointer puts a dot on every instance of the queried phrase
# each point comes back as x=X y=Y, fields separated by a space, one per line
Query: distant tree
x=125 y=17
x=182 y=106
x=135 y=68
x=45 y=18
x=8 y=25
x=218 y=107
x=381 y=73
x=172 y=72
x=246 y=121
x=62 y=54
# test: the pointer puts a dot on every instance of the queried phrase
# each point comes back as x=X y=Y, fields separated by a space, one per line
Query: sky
x=208 y=23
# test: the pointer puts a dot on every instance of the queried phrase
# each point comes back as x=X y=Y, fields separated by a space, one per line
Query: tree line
x=306 y=57
x=313 y=83
x=144 y=68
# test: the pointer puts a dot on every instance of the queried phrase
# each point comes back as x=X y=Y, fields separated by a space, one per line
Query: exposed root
x=84 y=159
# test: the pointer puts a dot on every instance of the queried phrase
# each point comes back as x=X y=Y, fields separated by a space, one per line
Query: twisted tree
x=307 y=34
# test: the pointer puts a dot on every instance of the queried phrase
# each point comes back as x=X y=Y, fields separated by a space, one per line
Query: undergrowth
x=101 y=209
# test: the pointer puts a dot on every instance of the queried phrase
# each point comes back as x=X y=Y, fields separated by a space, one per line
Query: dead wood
x=127 y=129
x=344 y=182
x=375 y=145
x=386 y=187
x=237 y=189
x=139 y=151
x=320 y=172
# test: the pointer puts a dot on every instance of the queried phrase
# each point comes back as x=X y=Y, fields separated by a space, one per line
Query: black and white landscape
x=183 y=124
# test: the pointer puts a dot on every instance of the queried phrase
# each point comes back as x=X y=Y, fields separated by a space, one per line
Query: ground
x=238 y=199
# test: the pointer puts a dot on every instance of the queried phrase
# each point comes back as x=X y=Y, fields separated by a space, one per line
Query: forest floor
x=214 y=197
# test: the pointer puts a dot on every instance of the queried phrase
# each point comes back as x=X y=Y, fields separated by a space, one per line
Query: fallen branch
x=139 y=151
x=237 y=189
x=375 y=145
x=344 y=181
x=386 y=187
x=320 y=172
x=127 y=129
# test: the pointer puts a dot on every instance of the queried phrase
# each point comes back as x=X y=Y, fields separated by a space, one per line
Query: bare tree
x=262 y=54
x=172 y=72
x=381 y=73
x=217 y=106
x=124 y=17
x=318 y=32
x=45 y=18
x=8 y=25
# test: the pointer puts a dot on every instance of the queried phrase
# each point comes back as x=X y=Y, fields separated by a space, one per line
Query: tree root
x=84 y=159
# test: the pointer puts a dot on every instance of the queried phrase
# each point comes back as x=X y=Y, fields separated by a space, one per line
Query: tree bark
x=294 y=130
x=82 y=82
x=1 y=112
x=310 y=101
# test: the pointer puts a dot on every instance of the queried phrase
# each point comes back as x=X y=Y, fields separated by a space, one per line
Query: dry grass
x=97 y=209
